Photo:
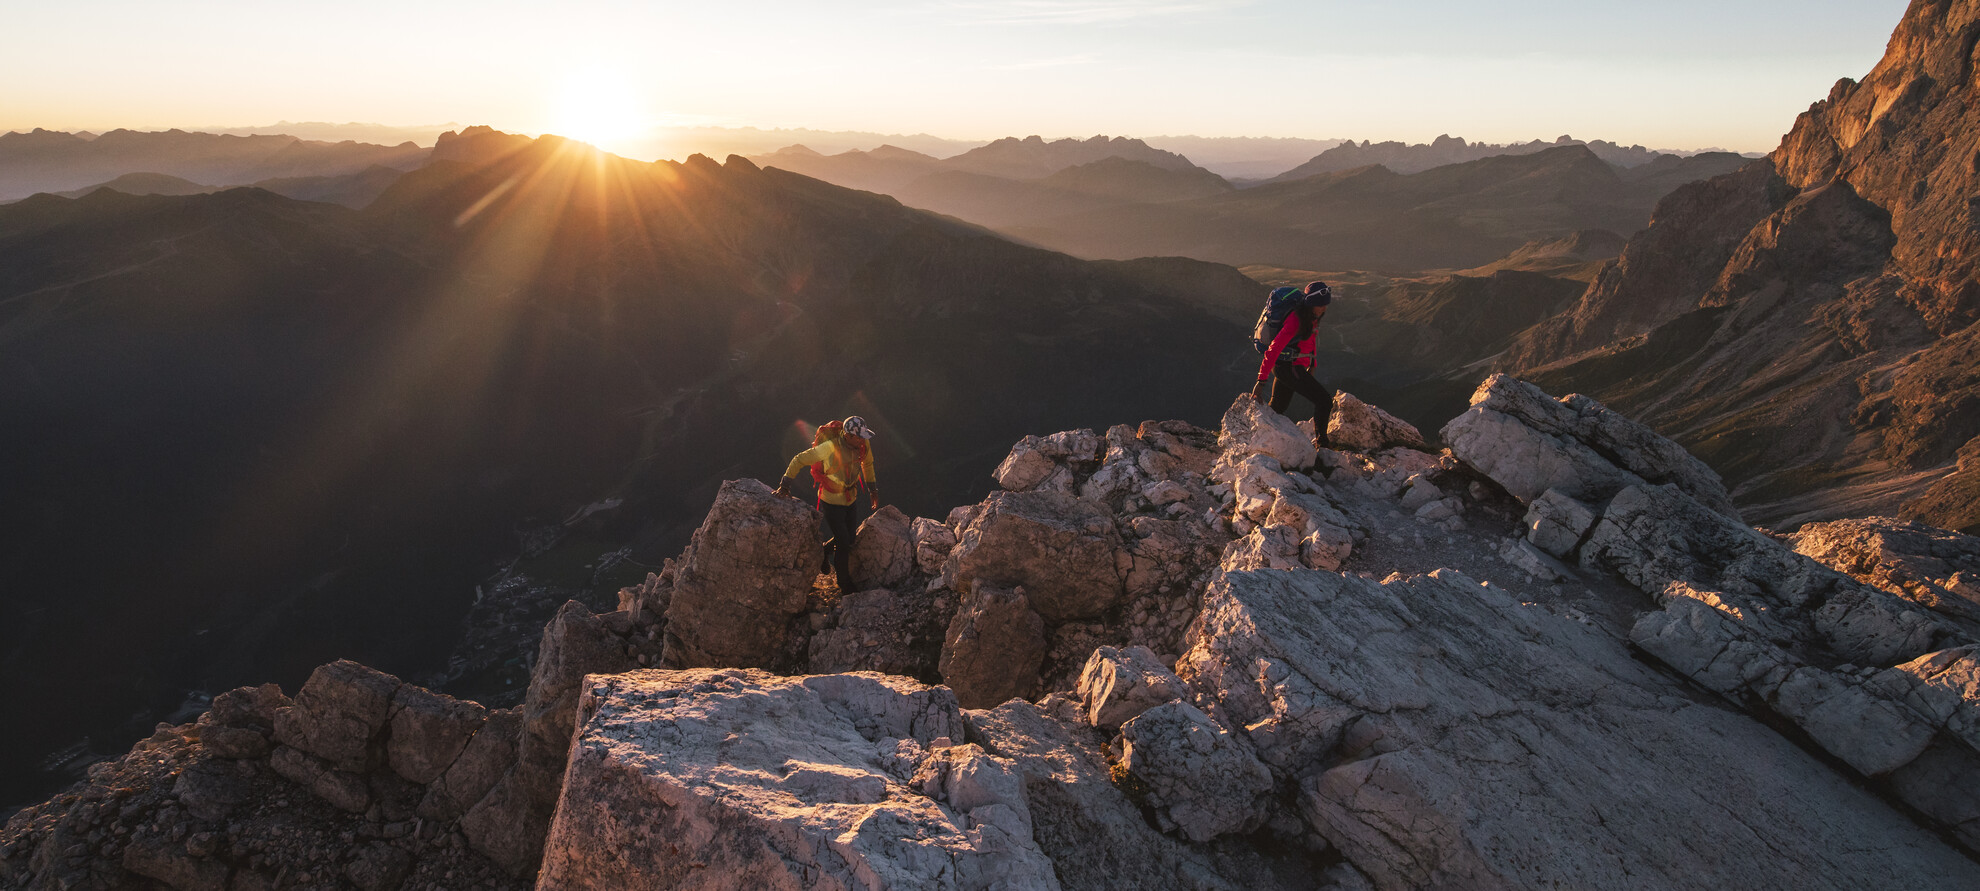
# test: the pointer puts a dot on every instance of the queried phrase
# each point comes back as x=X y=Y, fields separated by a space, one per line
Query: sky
x=1680 y=74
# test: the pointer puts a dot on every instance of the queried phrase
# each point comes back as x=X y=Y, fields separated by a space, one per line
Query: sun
x=601 y=107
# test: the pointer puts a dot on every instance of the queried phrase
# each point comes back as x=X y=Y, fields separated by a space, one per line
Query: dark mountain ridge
x=247 y=434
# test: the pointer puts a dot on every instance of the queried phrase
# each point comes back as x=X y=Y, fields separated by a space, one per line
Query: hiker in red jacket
x=1288 y=360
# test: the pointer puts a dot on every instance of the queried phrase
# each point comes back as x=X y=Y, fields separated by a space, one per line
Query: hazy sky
x=1675 y=74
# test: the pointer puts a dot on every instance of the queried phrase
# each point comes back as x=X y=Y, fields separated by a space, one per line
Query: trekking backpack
x=1278 y=305
x=819 y=479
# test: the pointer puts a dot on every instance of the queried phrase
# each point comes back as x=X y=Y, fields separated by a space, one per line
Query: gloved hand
x=1259 y=390
x=783 y=488
x=873 y=496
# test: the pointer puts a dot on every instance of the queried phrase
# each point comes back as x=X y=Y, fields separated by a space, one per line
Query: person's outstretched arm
x=803 y=459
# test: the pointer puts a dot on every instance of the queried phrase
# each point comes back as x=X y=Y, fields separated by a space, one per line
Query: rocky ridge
x=1159 y=657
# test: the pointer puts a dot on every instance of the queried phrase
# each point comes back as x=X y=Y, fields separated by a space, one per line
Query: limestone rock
x=822 y=792
x=338 y=713
x=1528 y=442
x=1065 y=552
x=1095 y=835
x=871 y=631
x=744 y=575
x=429 y=730
x=1025 y=467
x=1600 y=768
x=1117 y=685
x=994 y=647
x=884 y=554
x=1361 y=427
x=487 y=756
x=933 y=542
x=1932 y=567
x=1266 y=547
x=1202 y=779
x=1555 y=523
x=342 y=788
x=1253 y=428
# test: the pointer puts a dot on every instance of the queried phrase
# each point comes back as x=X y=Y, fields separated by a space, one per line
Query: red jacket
x=1302 y=354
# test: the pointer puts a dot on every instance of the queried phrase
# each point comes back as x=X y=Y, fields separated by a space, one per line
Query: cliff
x=1808 y=323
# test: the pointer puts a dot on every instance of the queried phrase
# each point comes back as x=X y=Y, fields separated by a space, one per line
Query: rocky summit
x=1157 y=657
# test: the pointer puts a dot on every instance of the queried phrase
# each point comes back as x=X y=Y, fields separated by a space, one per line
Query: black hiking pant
x=842 y=523
x=1288 y=379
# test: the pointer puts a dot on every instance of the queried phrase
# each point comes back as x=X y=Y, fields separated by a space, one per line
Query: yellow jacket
x=843 y=473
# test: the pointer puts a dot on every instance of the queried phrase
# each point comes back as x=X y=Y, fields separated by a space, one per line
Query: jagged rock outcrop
x=1355 y=425
x=1529 y=442
x=742 y=579
x=1345 y=709
x=1932 y=567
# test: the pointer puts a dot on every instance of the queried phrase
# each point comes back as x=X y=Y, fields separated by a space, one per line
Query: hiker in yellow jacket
x=841 y=461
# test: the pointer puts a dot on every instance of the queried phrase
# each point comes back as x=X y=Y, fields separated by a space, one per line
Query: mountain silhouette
x=247 y=434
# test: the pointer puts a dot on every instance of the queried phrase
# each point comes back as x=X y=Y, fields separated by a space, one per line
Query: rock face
x=1598 y=767
x=743 y=577
x=1808 y=324
x=843 y=781
x=994 y=648
x=1064 y=551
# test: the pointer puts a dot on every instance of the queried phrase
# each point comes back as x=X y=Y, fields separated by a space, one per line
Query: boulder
x=1527 y=442
x=1118 y=684
x=1555 y=523
x=338 y=713
x=842 y=781
x=1201 y=779
x=744 y=575
x=429 y=730
x=1390 y=706
x=1361 y=427
x=1252 y=428
x=1065 y=552
x=884 y=553
x=933 y=542
x=1025 y=467
x=994 y=647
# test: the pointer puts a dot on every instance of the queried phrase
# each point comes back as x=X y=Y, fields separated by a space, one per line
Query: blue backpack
x=1278 y=305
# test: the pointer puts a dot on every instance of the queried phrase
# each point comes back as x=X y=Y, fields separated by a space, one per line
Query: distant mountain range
x=48 y=161
x=1120 y=198
x=1406 y=158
